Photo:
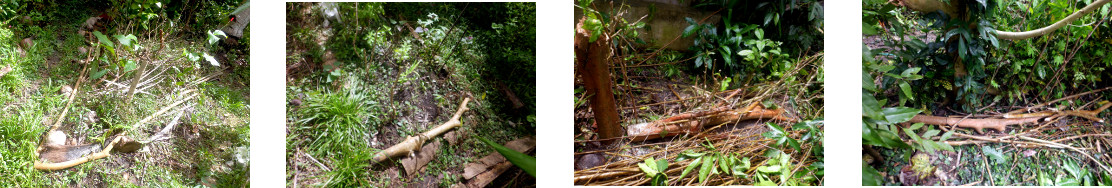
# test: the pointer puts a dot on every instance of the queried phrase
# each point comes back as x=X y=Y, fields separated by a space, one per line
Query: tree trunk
x=594 y=69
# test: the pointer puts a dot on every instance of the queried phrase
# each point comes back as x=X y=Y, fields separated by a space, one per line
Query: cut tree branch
x=694 y=122
x=412 y=143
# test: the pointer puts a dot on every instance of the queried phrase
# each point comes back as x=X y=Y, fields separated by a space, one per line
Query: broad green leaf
x=930 y=133
x=126 y=40
x=645 y=168
x=871 y=108
x=915 y=126
x=98 y=74
x=745 y=53
x=906 y=90
x=690 y=30
x=215 y=35
x=704 y=172
x=867 y=82
x=724 y=164
x=870 y=176
x=104 y=39
x=525 y=162
x=899 y=114
x=690 y=166
x=131 y=65
x=771 y=169
x=946 y=136
x=210 y=59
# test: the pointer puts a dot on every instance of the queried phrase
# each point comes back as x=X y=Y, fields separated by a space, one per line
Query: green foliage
x=870 y=176
x=781 y=166
x=775 y=132
x=712 y=162
x=142 y=11
x=593 y=23
x=654 y=170
x=742 y=49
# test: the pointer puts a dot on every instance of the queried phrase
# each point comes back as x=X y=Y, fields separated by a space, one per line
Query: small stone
x=589 y=161
x=27 y=43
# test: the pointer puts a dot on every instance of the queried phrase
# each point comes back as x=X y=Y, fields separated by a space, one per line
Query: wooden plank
x=413 y=164
x=492 y=161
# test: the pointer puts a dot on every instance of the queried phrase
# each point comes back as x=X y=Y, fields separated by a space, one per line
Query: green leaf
x=870 y=176
x=867 y=82
x=704 y=172
x=104 y=39
x=946 y=136
x=771 y=169
x=649 y=171
x=899 y=114
x=690 y=167
x=906 y=90
x=745 y=53
x=915 y=126
x=215 y=35
x=724 y=164
x=131 y=65
x=126 y=40
x=690 y=30
x=98 y=74
x=210 y=59
x=525 y=162
x=646 y=169
x=994 y=154
x=741 y=166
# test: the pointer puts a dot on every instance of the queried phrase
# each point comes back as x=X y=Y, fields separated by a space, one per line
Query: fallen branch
x=976 y=124
x=694 y=122
x=67 y=164
x=1001 y=124
x=411 y=143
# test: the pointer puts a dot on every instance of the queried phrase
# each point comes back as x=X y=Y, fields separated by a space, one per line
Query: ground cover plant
x=985 y=93
x=698 y=93
x=410 y=94
x=98 y=71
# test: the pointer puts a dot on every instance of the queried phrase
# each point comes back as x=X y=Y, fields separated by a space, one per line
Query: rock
x=26 y=43
x=295 y=102
x=91 y=23
x=589 y=161
x=55 y=138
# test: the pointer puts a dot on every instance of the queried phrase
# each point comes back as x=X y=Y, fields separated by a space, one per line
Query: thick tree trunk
x=594 y=69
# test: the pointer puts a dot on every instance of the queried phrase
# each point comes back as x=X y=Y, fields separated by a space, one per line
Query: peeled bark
x=691 y=123
x=121 y=144
x=412 y=143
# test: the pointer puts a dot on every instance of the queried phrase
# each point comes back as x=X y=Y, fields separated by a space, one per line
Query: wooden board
x=492 y=162
x=413 y=164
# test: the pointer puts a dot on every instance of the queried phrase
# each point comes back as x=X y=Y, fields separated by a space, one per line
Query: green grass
x=385 y=85
x=29 y=95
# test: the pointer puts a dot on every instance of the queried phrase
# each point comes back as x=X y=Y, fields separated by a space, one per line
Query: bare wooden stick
x=411 y=143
